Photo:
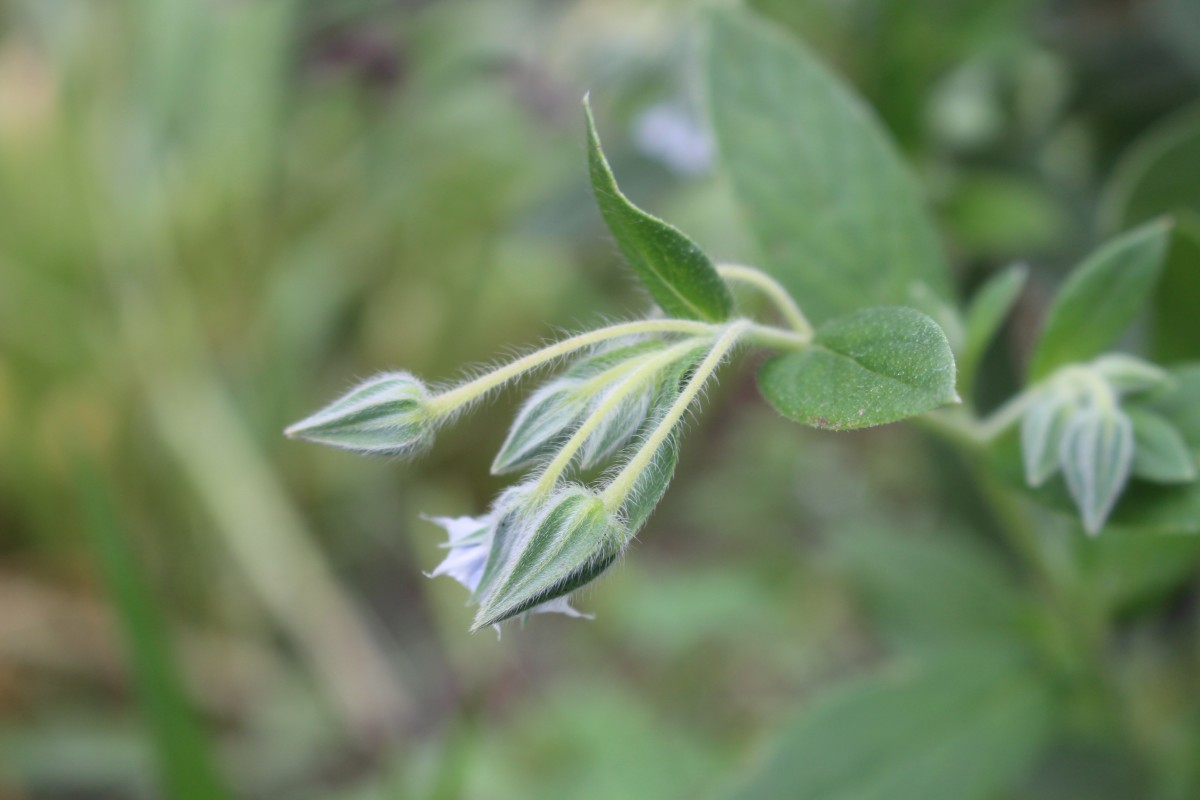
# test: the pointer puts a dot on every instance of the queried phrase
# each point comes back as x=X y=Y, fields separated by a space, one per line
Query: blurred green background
x=217 y=214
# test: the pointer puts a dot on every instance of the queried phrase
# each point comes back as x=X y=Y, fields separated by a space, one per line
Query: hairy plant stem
x=774 y=292
x=450 y=401
x=634 y=381
x=621 y=486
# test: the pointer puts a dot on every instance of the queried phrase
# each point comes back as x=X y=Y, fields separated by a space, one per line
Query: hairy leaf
x=1100 y=299
x=838 y=219
x=867 y=368
x=672 y=267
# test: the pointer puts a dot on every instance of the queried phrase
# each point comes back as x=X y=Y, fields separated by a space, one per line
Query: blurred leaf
x=1173 y=327
x=837 y=216
x=930 y=590
x=867 y=368
x=958 y=725
x=672 y=267
x=1160 y=453
x=984 y=316
x=1003 y=216
x=1179 y=402
x=1159 y=174
x=186 y=766
x=591 y=740
x=1128 y=568
x=1100 y=299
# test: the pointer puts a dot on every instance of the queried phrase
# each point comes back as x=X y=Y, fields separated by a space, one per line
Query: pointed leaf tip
x=673 y=268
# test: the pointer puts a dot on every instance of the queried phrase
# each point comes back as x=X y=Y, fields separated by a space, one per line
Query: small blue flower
x=469 y=540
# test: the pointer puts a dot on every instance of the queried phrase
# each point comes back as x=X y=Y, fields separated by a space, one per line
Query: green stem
x=630 y=384
x=450 y=401
x=773 y=290
x=619 y=489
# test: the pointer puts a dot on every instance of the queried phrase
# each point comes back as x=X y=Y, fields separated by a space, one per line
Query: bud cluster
x=613 y=411
x=1080 y=422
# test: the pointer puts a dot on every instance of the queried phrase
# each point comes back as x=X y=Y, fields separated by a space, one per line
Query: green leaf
x=988 y=309
x=930 y=590
x=1137 y=568
x=1101 y=298
x=1128 y=374
x=1179 y=402
x=1160 y=454
x=1096 y=456
x=965 y=725
x=185 y=761
x=1159 y=174
x=672 y=267
x=871 y=367
x=838 y=219
x=1173 y=326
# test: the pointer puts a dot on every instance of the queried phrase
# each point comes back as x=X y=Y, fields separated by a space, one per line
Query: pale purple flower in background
x=673 y=137
x=469 y=540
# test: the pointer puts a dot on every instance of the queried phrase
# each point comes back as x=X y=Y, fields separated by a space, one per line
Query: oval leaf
x=837 y=216
x=1101 y=298
x=673 y=268
x=868 y=368
x=1160 y=454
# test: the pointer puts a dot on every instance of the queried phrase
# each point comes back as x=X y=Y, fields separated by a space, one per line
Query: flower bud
x=384 y=415
x=537 y=558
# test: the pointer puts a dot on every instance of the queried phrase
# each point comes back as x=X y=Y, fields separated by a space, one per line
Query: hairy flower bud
x=384 y=415
x=539 y=556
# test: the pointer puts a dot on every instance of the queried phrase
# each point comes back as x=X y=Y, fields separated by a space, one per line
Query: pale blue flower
x=469 y=540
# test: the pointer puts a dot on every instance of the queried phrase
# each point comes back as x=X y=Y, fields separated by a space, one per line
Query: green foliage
x=212 y=214
x=1160 y=453
x=868 y=368
x=984 y=316
x=955 y=724
x=837 y=218
x=1101 y=298
x=933 y=590
x=185 y=763
x=671 y=266
x=1160 y=174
